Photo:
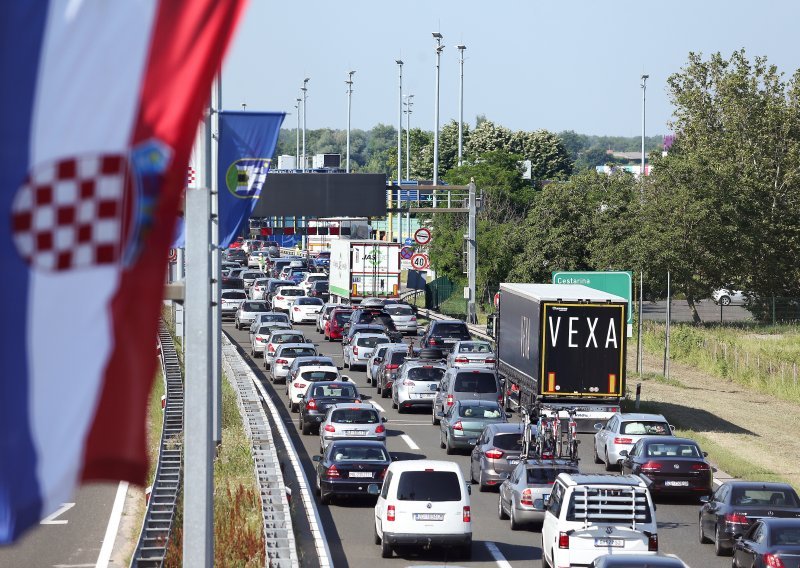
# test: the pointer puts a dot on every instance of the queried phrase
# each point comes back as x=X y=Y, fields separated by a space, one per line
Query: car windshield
x=474 y=348
x=398 y=310
x=435 y=486
x=355 y=416
x=484 y=412
x=234 y=295
x=308 y=302
x=313 y=376
x=297 y=352
x=642 y=428
x=511 y=441
x=341 y=452
x=254 y=307
x=476 y=382
x=673 y=450
x=458 y=330
x=785 y=536
x=337 y=390
x=371 y=341
x=763 y=496
x=546 y=475
x=425 y=373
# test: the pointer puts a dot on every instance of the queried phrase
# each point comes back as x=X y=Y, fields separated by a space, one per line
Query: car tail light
x=392 y=367
x=355 y=349
x=329 y=428
x=652 y=543
x=449 y=400
x=380 y=429
x=563 y=540
x=623 y=440
x=494 y=454
x=279 y=297
x=271 y=347
x=382 y=473
x=260 y=339
x=390 y=513
x=489 y=360
x=700 y=467
x=281 y=362
x=413 y=318
x=296 y=309
x=332 y=472
x=500 y=398
x=408 y=383
x=432 y=341
x=461 y=360
x=651 y=466
x=311 y=404
x=526 y=498
x=736 y=518
x=773 y=561
x=299 y=385
x=458 y=426
x=467 y=514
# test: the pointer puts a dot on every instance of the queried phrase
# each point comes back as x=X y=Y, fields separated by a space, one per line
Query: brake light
x=408 y=383
x=458 y=426
x=699 y=467
x=382 y=473
x=461 y=360
x=526 y=498
x=295 y=308
x=563 y=540
x=311 y=404
x=261 y=339
x=390 y=513
x=449 y=400
x=392 y=366
x=332 y=472
x=489 y=360
x=329 y=428
x=652 y=543
x=773 y=561
x=467 y=514
x=282 y=362
x=279 y=297
x=623 y=440
x=413 y=318
x=380 y=429
x=299 y=385
x=500 y=398
x=494 y=454
x=736 y=518
x=271 y=347
x=432 y=341
x=651 y=466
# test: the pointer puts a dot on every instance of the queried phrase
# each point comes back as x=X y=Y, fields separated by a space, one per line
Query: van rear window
x=435 y=486
x=481 y=383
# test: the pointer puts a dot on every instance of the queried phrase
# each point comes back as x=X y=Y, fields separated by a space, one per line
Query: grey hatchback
x=465 y=384
x=463 y=423
x=496 y=454
x=530 y=480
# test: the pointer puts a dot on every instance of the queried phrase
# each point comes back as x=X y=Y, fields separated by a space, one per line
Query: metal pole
x=644 y=91
x=216 y=266
x=669 y=318
x=461 y=49
x=439 y=47
x=400 y=123
x=198 y=495
x=297 y=132
x=349 y=83
x=409 y=104
x=305 y=94
x=639 y=340
x=472 y=315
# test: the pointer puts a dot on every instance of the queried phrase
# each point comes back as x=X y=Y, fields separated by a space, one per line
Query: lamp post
x=644 y=91
x=400 y=122
x=439 y=47
x=349 y=83
x=297 y=136
x=461 y=49
x=408 y=104
x=305 y=95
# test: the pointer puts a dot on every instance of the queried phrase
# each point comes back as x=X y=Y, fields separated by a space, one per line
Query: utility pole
x=644 y=114
x=297 y=132
x=349 y=84
x=472 y=314
x=408 y=104
x=305 y=96
x=669 y=319
x=639 y=341
x=461 y=49
x=439 y=47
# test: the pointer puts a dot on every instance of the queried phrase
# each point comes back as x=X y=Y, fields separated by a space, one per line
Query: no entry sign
x=422 y=236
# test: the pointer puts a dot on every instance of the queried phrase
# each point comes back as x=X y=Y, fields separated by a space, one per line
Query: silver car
x=246 y=314
x=374 y=363
x=471 y=354
x=465 y=384
x=530 y=480
x=622 y=431
x=270 y=319
x=358 y=351
x=351 y=422
x=250 y=276
x=416 y=384
x=285 y=354
x=279 y=337
x=230 y=300
x=496 y=454
x=403 y=316
x=462 y=424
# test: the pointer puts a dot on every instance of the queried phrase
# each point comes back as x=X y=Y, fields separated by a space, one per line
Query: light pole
x=408 y=104
x=400 y=122
x=297 y=136
x=349 y=84
x=461 y=49
x=439 y=47
x=644 y=91
x=305 y=95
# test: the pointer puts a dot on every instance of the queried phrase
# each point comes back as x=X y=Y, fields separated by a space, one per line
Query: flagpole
x=216 y=266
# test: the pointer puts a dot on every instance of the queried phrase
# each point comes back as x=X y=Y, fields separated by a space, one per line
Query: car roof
x=574 y=479
x=290 y=288
x=758 y=484
x=437 y=322
x=361 y=443
x=320 y=358
x=422 y=465
x=629 y=416
x=639 y=561
x=351 y=406
x=362 y=335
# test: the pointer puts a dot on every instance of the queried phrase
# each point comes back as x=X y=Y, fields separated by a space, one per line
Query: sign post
x=619 y=283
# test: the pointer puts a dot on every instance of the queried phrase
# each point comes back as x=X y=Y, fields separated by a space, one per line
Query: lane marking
x=52 y=519
x=407 y=439
x=376 y=405
x=498 y=557
x=113 y=525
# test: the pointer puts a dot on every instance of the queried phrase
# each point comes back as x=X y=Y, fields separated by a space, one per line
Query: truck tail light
x=311 y=404
x=390 y=513
x=330 y=428
x=449 y=400
x=380 y=429
x=494 y=454
x=736 y=518
x=332 y=472
x=623 y=440
x=651 y=466
x=467 y=514
x=458 y=426
x=563 y=540
x=526 y=498
x=652 y=543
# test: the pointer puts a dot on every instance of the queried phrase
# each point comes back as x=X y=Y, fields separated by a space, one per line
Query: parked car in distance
x=528 y=481
x=622 y=431
x=496 y=454
x=415 y=382
x=736 y=505
x=246 y=314
x=300 y=377
x=285 y=353
x=669 y=465
x=348 y=467
x=637 y=561
x=771 y=543
x=725 y=297
x=461 y=424
x=319 y=397
x=230 y=300
x=284 y=296
x=351 y=422
x=467 y=383
x=403 y=316
x=471 y=354
x=444 y=334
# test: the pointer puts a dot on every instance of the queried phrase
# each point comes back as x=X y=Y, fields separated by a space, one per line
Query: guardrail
x=476 y=330
x=157 y=525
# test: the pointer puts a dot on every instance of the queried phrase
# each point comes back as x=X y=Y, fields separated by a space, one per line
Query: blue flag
x=246 y=143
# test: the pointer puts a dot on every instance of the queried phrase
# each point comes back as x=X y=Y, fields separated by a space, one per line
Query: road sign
x=406 y=253
x=497 y=300
x=420 y=261
x=408 y=241
x=422 y=236
x=617 y=283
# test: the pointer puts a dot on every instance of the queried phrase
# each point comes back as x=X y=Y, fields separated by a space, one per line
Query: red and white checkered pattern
x=191 y=178
x=69 y=214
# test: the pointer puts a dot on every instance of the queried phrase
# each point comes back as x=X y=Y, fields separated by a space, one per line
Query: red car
x=335 y=324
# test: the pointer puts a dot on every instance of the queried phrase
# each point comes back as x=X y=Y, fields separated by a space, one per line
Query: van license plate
x=669 y=483
x=612 y=542
x=428 y=516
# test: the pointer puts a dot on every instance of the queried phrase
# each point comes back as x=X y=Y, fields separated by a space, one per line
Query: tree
x=488 y=137
x=546 y=152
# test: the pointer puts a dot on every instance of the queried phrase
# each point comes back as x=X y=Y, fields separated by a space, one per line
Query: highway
x=348 y=524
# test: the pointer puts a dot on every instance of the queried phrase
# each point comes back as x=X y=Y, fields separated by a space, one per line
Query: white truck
x=362 y=269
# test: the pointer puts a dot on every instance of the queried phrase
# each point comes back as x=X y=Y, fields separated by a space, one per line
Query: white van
x=588 y=516
x=424 y=503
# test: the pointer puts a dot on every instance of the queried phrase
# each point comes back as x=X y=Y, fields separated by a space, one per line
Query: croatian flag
x=99 y=108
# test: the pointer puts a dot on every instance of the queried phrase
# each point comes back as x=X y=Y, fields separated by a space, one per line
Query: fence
x=446 y=297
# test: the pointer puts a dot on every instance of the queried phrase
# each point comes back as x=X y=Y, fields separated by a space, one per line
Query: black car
x=736 y=505
x=272 y=286
x=320 y=289
x=231 y=283
x=379 y=317
x=321 y=395
x=443 y=334
x=769 y=543
x=235 y=255
x=669 y=465
x=348 y=467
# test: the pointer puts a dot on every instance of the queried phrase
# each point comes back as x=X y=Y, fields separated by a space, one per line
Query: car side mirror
x=671 y=427
x=384 y=419
x=316 y=458
x=538 y=504
x=623 y=453
x=705 y=454
x=374 y=489
x=598 y=426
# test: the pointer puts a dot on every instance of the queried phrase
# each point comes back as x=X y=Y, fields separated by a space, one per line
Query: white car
x=310 y=278
x=471 y=354
x=258 y=343
x=258 y=289
x=246 y=314
x=622 y=431
x=254 y=258
x=579 y=524
x=423 y=503
x=230 y=300
x=305 y=376
x=358 y=351
x=725 y=297
x=284 y=355
x=350 y=421
x=284 y=296
x=278 y=337
x=305 y=309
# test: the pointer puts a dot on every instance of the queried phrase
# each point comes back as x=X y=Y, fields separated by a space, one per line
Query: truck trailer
x=562 y=346
x=364 y=268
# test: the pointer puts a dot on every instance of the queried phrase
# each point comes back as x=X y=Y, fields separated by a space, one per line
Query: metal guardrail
x=476 y=330
x=157 y=525
x=279 y=541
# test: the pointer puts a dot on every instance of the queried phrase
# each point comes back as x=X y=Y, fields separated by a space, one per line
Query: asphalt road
x=70 y=539
x=348 y=523
x=707 y=310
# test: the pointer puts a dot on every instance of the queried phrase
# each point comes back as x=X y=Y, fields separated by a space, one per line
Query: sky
x=529 y=64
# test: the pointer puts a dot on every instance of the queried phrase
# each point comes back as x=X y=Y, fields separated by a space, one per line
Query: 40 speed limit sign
x=420 y=261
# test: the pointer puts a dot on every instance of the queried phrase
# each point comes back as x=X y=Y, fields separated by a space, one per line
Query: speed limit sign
x=420 y=261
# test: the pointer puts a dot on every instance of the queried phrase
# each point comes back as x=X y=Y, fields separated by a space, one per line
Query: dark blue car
x=348 y=467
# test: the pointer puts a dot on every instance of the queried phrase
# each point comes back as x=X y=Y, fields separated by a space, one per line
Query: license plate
x=612 y=542
x=355 y=432
x=513 y=462
x=428 y=516
x=360 y=474
x=676 y=483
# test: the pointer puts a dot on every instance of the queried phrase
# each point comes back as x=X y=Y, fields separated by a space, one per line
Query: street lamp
x=297 y=136
x=644 y=91
x=439 y=47
x=305 y=94
x=408 y=104
x=461 y=49
x=400 y=123
x=349 y=84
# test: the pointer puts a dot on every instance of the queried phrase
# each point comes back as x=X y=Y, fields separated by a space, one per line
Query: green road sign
x=617 y=283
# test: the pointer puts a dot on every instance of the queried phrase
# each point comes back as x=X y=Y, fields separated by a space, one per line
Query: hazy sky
x=556 y=64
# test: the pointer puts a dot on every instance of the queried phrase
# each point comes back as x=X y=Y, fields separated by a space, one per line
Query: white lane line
x=376 y=405
x=113 y=525
x=53 y=519
x=407 y=439
x=499 y=559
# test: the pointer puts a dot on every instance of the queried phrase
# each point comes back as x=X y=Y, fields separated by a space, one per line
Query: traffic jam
x=427 y=444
